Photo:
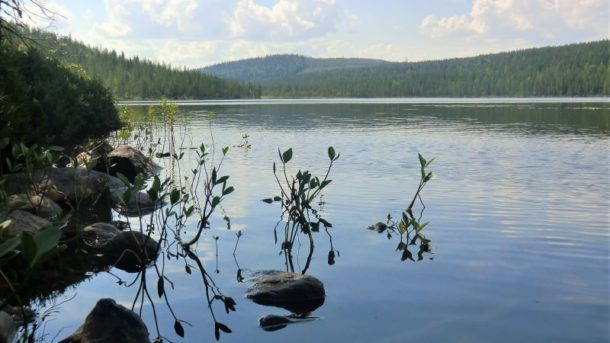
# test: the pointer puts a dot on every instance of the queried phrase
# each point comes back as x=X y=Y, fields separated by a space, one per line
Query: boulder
x=131 y=251
x=110 y=322
x=130 y=162
x=64 y=184
x=22 y=221
x=35 y=204
x=98 y=235
x=297 y=293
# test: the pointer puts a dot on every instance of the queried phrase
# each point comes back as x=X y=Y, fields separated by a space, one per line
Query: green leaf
x=287 y=155
x=229 y=190
x=276 y=198
x=222 y=180
x=178 y=328
x=325 y=183
x=331 y=153
x=418 y=228
x=422 y=160
x=273 y=167
x=174 y=196
x=28 y=248
x=224 y=328
x=9 y=245
x=160 y=287
x=225 y=150
x=268 y=200
x=124 y=179
x=215 y=201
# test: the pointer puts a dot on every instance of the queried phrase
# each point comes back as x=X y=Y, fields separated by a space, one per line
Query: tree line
x=571 y=70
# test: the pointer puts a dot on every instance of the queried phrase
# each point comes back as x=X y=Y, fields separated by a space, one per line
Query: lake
x=517 y=211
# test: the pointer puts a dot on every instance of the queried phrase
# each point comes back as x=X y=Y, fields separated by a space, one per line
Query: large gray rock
x=22 y=221
x=129 y=162
x=110 y=322
x=35 y=204
x=131 y=251
x=98 y=235
x=297 y=293
x=64 y=184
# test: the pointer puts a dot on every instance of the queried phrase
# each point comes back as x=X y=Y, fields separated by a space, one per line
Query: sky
x=197 y=33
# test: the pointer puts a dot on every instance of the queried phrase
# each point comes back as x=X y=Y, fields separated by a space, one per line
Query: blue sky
x=195 y=33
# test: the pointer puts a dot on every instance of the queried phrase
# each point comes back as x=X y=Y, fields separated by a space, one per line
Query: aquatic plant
x=410 y=228
x=297 y=196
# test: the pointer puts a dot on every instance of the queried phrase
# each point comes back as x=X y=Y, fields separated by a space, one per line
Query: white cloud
x=117 y=24
x=287 y=19
x=514 y=17
x=46 y=15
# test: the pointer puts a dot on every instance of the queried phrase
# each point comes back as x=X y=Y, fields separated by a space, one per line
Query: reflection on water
x=518 y=213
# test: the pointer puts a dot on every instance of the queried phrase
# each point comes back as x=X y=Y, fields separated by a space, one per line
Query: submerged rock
x=129 y=162
x=35 y=204
x=273 y=322
x=140 y=205
x=297 y=293
x=130 y=251
x=98 y=235
x=64 y=184
x=110 y=322
x=22 y=221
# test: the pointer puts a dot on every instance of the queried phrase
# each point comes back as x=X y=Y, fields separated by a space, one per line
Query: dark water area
x=518 y=222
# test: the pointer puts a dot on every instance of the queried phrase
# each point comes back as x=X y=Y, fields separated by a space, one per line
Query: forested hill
x=277 y=67
x=571 y=70
x=134 y=78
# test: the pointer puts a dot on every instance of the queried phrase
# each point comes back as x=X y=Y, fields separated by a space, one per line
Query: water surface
x=518 y=213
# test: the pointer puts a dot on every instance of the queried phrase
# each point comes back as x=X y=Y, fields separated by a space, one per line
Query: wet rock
x=379 y=227
x=7 y=328
x=130 y=251
x=110 y=322
x=140 y=205
x=98 y=235
x=35 y=204
x=22 y=221
x=272 y=322
x=129 y=162
x=297 y=293
x=64 y=184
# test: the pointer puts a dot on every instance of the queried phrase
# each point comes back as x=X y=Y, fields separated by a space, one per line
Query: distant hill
x=135 y=78
x=275 y=67
x=571 y=70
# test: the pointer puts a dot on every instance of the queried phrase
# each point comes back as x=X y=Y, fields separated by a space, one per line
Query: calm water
x=518 y=216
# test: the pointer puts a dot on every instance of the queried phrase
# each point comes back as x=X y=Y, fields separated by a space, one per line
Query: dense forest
x=275 y=67
x=45 y=102
x=571 y=70
x=135 y=78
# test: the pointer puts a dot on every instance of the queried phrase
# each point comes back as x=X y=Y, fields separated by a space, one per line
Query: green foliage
x=299 y=191
x=262 y=69
x=571 y=70
x=135 y=78
x=44 y=102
